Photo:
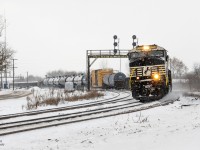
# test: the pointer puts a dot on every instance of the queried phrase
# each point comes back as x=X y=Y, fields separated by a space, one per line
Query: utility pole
x=14 y=73
x=5 y=47
x=27 y=79
x=1 y=80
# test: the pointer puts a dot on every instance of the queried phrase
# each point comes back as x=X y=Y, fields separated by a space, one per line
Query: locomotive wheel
x=170 y=88
x=166 y=89
x=160 y=94
x=134 y=95
x=144 y=99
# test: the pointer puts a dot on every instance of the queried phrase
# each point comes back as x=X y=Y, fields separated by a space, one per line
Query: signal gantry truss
x=95 y=54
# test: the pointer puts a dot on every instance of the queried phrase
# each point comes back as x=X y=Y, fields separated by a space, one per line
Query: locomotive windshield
x=157 y=53
x=143 y=58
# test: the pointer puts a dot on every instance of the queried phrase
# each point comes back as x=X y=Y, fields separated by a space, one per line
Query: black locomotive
x=150 y=76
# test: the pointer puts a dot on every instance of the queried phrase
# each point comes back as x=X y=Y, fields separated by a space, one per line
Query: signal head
x=115 y=37
x=134 y=37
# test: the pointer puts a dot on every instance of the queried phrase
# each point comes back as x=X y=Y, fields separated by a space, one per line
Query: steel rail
x=90 y=104
x=90 y=115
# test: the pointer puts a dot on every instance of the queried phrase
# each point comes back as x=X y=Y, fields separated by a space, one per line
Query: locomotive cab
x=150 y=76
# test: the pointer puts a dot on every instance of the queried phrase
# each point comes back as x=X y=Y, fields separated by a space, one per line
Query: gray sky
x=55 y=34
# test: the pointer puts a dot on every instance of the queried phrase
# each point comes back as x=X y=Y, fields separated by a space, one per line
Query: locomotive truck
x=150 y=74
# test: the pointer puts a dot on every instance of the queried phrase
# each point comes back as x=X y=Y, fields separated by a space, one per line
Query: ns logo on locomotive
x=150 y=74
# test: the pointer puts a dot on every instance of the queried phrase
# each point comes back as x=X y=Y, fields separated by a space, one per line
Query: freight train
x=150 y=74
x=106 y=78
x=101 y=78
x=70 y=83
x=115 y=80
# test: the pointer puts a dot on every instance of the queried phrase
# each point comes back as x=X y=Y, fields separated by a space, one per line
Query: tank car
x=115 y=80
x=79 y=82
x=56 y=81
x=45 y=81
x=62 y=81
x=50 y=81
x=69 y=84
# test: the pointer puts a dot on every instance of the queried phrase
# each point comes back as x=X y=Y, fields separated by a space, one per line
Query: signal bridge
x=102 y=54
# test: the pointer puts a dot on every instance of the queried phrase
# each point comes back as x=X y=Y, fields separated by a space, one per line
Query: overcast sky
x=55 y=34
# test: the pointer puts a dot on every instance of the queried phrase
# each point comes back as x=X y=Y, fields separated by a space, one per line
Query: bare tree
x=178 y=68
x=1 y=25
x=5 y=58
x=56 y=73
x=193 y=78
x=6 y=53
x=196 y=76
x=196 y=68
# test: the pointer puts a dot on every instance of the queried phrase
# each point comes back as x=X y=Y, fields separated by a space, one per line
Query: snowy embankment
x=19 y=105
x=175 y=126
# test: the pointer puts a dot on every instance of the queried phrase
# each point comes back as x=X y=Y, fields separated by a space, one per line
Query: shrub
x=54 y=97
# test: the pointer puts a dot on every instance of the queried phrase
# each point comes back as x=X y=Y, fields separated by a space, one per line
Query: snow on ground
x=171 y=127
x=10 y=106
x=4 y=92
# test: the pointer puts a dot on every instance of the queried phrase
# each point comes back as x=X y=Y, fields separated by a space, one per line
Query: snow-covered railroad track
x=117 y=98
x=15 y=94
x=133 y=106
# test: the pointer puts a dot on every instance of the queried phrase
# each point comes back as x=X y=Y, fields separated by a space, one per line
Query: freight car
x=150 y=74
x=97 y=77
x=115 y=80
x=106 y=78
x=70 y=83
x=79 y=82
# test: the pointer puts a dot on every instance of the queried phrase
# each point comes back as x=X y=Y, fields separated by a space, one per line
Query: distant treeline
x=54 y=73
x=189 y=80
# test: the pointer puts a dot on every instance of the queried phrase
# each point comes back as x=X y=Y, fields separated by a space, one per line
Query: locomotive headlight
x=137 y=78
x=146 y=47
x=156 y=76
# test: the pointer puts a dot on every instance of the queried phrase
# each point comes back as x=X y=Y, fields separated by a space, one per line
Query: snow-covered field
x=172 y=127
x=12 y=106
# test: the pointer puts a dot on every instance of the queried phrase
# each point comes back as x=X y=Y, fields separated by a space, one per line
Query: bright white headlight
x=156 y=76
